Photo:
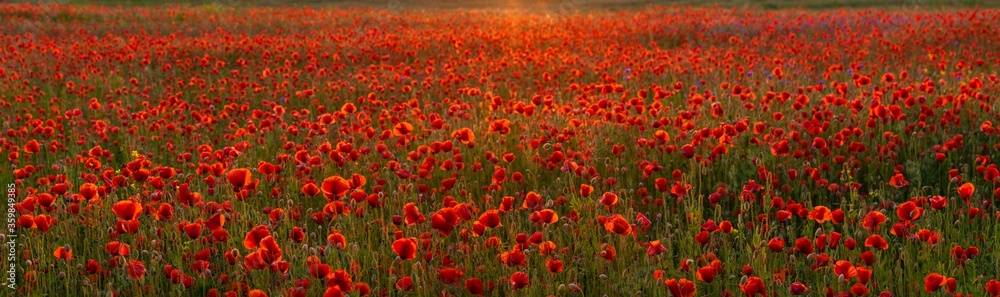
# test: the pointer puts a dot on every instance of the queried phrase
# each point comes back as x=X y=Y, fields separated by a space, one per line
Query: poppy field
x=653 y=151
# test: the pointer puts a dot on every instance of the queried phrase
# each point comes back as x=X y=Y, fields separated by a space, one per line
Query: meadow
x=228 y=150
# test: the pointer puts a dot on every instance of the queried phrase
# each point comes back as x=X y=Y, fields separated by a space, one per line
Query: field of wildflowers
x=655 y=151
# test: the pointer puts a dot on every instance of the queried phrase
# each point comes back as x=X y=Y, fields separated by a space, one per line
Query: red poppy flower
x=993 y=288
x=450 y=275
x=706 y=274
x=838 y=216
x=412 y=214
x=270 y=250
x=753 y=286
x=608 y=253
x=340 y=279
x=239 y=177
x=933 y=282
x=820 y=214
x=127 y=210
x=798 y=288
x=310 y=189
x=32 y=147
x=908 y=211
x=192 y=230
x=681 y=288
x=844 y=269
x=618 y=224
x=585 y=190
x=115 y=248
x=876 y=241
x=402 y=128
x=499 y=175
x=609 y=199
x=501 y=126
x=405 y=248
x=335 y=187
x=547 y=216
x=872 y=220
x=804 y=245
x=938 y=202
x=88 y=191
x=337 y=240
x=702 y=237
x=519 y=280
x=513 y=258
x=554 y=265
x=864 y=274
x=898 y=181
x=43 y=222
x=254 y=237
x=966 y=190
x=776 y=244
x=655 y=248
x=868 y=257
x=136 y=269
x=362 y=288
x=320 y=270
x=474 y=286
x=405 y=283
x=63 y=253
x=465 y=136
x=859 y=290
x=216 y=222
x=490 y=218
